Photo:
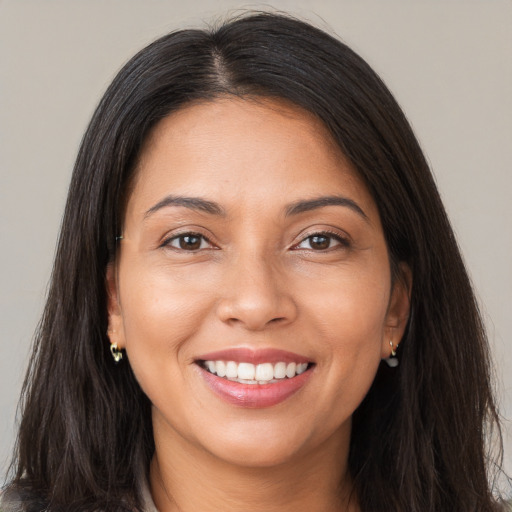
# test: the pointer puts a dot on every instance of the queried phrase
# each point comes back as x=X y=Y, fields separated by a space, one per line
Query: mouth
x=255 y=374
x=254 y=379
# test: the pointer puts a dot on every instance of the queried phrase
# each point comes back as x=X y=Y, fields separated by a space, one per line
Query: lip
x=254 y=396
x=247 y=355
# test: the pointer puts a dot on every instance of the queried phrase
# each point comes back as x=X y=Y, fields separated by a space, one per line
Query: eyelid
x=344 y=240
x=166 y=242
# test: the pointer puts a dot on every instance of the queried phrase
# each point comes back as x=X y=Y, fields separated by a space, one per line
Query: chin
x=259 y=455
x=269 y=444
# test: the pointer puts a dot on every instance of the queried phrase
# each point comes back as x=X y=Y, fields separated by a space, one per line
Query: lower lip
x=255 y=396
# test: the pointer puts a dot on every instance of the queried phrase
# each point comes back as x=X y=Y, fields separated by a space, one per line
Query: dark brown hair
x=419 y=437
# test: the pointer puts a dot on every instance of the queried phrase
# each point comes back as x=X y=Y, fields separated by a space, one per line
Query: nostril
x=256 y=307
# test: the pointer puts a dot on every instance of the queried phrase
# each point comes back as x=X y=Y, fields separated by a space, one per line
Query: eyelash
x=341 y=241
x=181 y=236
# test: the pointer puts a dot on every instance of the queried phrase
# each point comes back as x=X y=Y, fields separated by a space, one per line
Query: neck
x=185 y=478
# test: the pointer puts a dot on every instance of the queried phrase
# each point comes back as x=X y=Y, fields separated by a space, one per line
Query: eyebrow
x=301 y=206
x=193 y=203
x=321 y=202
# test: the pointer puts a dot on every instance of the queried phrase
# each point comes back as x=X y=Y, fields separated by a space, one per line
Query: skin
x=257 y=280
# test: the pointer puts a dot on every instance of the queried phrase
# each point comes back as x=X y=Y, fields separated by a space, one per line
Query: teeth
x=264 y=372
x=221 y=368
x=246 y=371
x=280 y=371
x=290 y=370
x=301 y=368
x=249 y=373
x=231 y=370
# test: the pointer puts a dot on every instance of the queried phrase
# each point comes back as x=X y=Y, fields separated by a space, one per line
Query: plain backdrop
x=449 y=63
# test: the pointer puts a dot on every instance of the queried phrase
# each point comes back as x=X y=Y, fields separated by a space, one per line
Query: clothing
x=149 y=505
x=12 y=503
x=9 y=503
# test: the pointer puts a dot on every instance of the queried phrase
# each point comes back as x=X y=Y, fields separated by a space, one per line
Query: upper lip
x=254 y=356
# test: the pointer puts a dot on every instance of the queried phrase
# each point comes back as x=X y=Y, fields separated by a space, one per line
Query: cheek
x=154 y=298
x=350 y=320
x=160 y=314
x=351 y=307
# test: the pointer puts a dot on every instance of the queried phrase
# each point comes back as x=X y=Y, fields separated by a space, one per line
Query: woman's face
x=252 y=289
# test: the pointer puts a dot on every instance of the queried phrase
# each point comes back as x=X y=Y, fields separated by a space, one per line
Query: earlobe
x=398 y=311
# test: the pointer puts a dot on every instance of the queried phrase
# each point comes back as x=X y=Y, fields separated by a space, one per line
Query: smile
x=254 y=379
x=248 y=373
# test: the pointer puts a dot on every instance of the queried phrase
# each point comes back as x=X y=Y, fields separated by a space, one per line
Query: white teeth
x=301 y=368
x=264 y=372
x=280 y=371
x=231 y=370
x=221 y=368
x=246 y=371
x=249 y=373
x=290 y=370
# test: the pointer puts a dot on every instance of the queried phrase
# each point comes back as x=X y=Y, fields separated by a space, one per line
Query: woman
x=257 y=301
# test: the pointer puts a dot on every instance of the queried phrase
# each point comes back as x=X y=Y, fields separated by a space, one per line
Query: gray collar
x=148 y=503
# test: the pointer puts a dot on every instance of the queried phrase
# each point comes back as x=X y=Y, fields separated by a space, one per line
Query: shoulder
x=10 y=502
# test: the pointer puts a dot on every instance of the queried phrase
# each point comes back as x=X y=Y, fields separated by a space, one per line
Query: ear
x=115 y=319
x=398 y=310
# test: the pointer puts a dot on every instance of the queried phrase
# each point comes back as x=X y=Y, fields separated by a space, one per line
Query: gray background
x=449 y=63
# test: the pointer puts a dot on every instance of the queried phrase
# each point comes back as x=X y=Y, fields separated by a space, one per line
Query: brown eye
x=319 y=242
x=188 y=242
x=322 y=242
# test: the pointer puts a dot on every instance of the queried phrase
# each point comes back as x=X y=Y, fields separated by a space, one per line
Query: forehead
x=242 y=150
x=276 y=114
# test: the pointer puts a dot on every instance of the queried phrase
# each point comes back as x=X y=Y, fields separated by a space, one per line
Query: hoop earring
x=392 y=361
x=116 y=352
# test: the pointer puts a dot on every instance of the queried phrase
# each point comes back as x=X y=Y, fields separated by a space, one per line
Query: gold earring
x=116 y=352
x=393 y=351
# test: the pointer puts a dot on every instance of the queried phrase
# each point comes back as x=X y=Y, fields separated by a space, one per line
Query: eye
x=188 y=242
x=322 y=242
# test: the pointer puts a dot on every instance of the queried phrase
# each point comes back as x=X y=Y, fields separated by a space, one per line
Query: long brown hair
x=419 y=437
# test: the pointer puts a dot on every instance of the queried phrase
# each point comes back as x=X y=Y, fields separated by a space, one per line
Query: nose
x=256 y=295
